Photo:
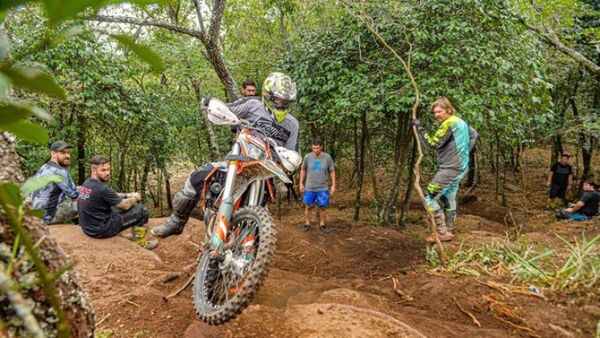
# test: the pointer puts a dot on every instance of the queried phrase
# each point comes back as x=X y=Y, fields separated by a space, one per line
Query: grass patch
x=579 y=271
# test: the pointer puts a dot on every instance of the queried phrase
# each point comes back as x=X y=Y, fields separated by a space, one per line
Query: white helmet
x=291 y=160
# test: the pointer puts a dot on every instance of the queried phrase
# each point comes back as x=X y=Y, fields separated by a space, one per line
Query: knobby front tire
x=219 y=296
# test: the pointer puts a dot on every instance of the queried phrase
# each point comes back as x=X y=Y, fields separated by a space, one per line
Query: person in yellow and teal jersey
x=452 y=141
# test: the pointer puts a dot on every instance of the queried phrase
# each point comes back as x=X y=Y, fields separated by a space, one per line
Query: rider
x=270 y=115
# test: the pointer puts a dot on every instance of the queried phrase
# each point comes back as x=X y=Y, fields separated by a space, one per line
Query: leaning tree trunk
x=71 y=295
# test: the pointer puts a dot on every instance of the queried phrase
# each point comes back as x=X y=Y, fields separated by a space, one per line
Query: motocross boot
x=450 y=218
x=182 y=209
x=440 y=221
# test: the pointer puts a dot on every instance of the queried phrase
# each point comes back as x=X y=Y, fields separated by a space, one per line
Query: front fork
x=221 y=226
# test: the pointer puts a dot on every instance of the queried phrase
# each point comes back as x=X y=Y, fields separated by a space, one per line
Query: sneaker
x=324 y=229
x=304 y=227
x=151 y=244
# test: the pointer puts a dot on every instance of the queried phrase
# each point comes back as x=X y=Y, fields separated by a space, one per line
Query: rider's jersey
x=452 y=141
x=253 y=110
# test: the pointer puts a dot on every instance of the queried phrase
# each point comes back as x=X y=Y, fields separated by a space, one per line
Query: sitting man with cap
x=57 y=199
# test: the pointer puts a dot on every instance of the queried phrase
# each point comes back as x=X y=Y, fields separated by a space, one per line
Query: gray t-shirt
x=317 y=171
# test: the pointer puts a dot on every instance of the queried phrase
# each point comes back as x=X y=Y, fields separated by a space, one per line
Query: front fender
x=273 y=168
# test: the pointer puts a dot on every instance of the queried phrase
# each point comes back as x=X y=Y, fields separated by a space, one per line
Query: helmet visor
x=280 y=104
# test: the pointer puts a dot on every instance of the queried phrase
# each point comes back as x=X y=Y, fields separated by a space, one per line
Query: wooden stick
x=467 y=313
x=182 y=288
x=318 y=247
x=519 y=327
x=102 y=320
x=130 y=302
x=405 y=297
x=37 y=244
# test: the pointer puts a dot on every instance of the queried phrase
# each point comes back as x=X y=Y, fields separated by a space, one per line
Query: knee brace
x=432 y=204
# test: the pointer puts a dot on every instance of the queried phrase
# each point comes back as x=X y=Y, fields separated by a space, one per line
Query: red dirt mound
x=359 y=281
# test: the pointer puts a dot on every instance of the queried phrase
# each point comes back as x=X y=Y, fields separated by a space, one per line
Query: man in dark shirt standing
x=586 y=207
x=560 y=179
x=103 y=213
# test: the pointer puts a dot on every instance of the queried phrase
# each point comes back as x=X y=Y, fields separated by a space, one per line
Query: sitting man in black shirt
x=560 y=179
x=103 y=213
x=586 y=207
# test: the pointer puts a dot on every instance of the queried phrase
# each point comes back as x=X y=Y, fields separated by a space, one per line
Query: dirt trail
x=337 y=285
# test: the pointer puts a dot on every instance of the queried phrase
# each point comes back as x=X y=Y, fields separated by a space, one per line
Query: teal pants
x=441 y=194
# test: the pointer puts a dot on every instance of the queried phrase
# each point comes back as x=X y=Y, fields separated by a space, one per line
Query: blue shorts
x=321 y=197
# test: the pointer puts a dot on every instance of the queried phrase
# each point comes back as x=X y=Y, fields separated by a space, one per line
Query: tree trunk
x=360 y=175
x=144 y=180
x=71 y=295
x=215 y=57
x=371 y=168
x=557 y=148
x=356 y=155
x=472 y=169
x=211 y=136
x=586 y=144
x=409 y=186
x=122 y=158
x=402 y=144
x=168 y=190
x=497 y=165
x=81 y=131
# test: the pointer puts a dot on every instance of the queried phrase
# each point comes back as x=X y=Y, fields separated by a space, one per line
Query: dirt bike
x=240 y=232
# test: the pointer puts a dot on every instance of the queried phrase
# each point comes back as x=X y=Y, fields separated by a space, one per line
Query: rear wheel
x=225 y=284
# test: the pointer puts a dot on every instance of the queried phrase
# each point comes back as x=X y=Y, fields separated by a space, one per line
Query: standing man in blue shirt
x=317 y=168
x=57 y=199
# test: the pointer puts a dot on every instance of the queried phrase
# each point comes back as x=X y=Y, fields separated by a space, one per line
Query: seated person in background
x=103 y=213
x=57 y=199
x=559 y=181
x=586 y=207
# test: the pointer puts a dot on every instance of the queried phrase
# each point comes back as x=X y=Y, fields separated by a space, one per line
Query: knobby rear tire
x=216 y=315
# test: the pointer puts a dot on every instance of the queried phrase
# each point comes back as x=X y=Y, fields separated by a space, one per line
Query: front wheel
x=226 y=283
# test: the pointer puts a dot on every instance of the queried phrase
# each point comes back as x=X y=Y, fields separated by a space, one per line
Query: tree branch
x=200 y=18
x=215 y=22
x=551 y=38
x=145 y=22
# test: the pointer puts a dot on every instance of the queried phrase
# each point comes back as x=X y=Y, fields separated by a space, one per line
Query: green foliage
x=34 y=80
x=36 y=183
x=143 y=52
x=11 y=202
x=27 y=131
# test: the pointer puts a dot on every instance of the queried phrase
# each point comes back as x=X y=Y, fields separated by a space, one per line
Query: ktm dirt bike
x=241 y=234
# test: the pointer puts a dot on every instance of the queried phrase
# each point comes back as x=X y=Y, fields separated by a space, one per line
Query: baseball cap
x=59 y=146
